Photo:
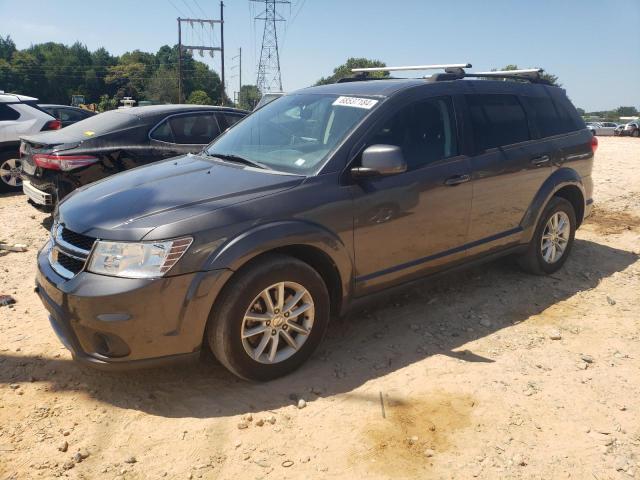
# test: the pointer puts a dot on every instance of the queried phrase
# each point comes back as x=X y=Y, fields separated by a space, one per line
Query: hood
x=129 y=205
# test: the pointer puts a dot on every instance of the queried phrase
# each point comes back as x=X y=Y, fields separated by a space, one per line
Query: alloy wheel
x=555 y=237
x=278 y=322
x=10 y=172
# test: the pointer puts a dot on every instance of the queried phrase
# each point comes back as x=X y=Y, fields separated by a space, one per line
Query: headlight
x=137 y=260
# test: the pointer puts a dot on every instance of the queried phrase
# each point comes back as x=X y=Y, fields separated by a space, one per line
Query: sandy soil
x=489 y=373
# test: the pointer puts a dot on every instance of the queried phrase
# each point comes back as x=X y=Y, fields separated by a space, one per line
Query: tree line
x=53 y=72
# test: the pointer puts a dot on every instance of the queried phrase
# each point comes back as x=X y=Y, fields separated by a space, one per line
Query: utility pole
x=239 y=66
x=269 y=76
x=222 y=46
x=179 y=60
x=181 y=47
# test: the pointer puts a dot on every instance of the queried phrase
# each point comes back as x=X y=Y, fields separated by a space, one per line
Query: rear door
x=509 y=167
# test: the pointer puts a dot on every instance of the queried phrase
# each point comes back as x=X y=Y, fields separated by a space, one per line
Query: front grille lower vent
x=69 y=251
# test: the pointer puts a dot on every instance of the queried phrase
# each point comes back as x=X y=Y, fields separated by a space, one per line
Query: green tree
x=107 y=103
x=198 y=97
x=626 y=111
x=162 y=87
x=7 y=48
x=248 y=97
x=344 y=70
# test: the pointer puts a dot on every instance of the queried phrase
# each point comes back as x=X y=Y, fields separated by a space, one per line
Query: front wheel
x=635 y=133
x=10 y=174
x=270 y=318
x=552 y=240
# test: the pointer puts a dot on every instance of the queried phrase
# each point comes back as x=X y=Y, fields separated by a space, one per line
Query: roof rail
x=533 y=75
x=453 y=71
x=412 y=67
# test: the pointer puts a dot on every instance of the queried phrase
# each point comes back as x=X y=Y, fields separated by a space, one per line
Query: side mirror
x=380 y=160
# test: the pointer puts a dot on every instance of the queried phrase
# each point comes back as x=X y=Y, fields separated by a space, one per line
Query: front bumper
x=35 y=195
x=119 y=323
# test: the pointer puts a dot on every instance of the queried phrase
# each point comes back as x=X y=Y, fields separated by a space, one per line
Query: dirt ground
x=489 y=373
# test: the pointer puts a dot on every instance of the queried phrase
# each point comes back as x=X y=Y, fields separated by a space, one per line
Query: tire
x=533 y=260
x=244 y=295
x=9 y=166
x=635 y=133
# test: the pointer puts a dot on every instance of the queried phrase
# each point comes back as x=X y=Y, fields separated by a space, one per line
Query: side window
x=552 y=117
x=229 y=119
x=497 y=120
x=567 y=114
x=68 y=115
x=545 y=116
x=8 y=113
x=425 y=130
x=197 y=129
x=163 y=133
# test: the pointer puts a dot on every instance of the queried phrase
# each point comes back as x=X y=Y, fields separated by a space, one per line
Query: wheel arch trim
x=280 y=235
x=561 y=178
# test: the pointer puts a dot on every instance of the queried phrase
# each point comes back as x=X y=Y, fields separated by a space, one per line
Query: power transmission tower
x=269 y=77
x=201 y=48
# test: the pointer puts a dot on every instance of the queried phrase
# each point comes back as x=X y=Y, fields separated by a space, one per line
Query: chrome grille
x=69 y=251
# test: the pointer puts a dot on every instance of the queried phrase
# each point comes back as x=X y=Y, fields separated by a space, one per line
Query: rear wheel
x=635 y=133
x=552 y=240
x=10 y=173
x=269 y=318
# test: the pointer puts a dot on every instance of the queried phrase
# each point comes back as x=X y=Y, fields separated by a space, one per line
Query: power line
x=200 y=8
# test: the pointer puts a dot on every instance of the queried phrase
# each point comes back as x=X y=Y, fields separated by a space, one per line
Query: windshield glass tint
x=294 y=134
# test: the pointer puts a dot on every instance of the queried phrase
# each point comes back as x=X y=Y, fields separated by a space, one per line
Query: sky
x=593 y=46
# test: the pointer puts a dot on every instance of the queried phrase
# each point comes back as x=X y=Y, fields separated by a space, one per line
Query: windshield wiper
x=237 y=159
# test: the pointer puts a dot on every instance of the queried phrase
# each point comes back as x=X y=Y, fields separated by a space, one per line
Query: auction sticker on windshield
x=366 y=103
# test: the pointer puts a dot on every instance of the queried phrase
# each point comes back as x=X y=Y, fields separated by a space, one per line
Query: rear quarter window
x=553 y=116
x=7 y=113
x=497 y=120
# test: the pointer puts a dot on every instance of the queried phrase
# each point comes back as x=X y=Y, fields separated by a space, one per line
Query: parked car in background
x=618 y=130
x=603 y=128
x=66 y=114
x=632 y=129
x=56 y=163
x=251 y=246
x=19 y=115
x=268 y=98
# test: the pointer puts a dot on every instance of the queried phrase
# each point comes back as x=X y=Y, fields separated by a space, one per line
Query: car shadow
x=432 y=317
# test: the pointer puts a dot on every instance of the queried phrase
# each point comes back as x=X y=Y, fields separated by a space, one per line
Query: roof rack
x=412 y=67
x=453 y=71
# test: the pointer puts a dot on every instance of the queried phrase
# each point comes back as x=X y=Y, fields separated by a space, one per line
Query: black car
x=325 y=196
x=66 y=114
x=56 y=163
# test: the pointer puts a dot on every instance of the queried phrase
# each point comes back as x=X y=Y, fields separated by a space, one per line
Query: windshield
x=294 y=134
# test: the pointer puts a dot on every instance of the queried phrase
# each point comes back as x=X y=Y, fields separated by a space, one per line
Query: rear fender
x=559 y=179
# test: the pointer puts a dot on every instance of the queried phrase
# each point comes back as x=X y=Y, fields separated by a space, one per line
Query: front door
x=409 y=223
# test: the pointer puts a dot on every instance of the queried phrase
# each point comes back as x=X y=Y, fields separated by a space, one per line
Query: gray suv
x=323 y=197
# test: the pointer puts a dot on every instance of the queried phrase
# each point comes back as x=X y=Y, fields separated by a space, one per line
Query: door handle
x=457 y=180
x=542 y=160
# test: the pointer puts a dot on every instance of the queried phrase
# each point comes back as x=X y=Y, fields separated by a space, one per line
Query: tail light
x=594 y=144
x=63 y=162
x=52 y=125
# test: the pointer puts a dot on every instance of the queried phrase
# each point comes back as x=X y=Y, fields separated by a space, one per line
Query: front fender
x=276 y=235
x=559 y=179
